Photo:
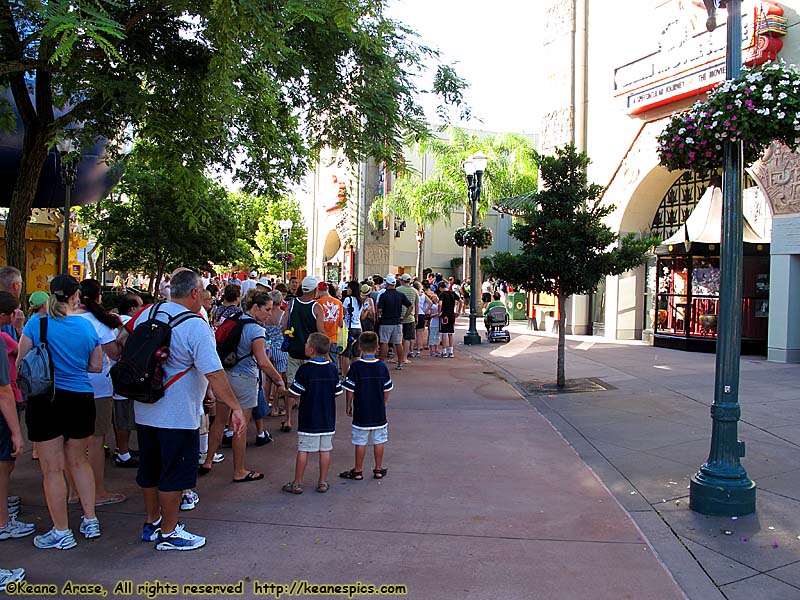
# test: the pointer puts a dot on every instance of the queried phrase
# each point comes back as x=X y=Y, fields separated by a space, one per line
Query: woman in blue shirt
x=62 y=424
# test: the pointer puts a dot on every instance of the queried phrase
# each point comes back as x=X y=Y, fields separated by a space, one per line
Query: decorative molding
x=778 y=174
x=376 y=254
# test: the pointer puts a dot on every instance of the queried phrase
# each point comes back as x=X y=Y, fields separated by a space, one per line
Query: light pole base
x=472 y=338
x=721 y=497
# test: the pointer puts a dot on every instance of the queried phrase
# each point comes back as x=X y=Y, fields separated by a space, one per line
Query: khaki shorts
x=291 y=368
x=307 y=442
x=103 y=416
x=391 y=334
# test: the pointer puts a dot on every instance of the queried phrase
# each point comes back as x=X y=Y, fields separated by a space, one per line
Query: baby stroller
x=495 y=320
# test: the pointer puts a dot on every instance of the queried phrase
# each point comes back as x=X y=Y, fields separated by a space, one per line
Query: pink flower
x=691 y=155
x=709 y=154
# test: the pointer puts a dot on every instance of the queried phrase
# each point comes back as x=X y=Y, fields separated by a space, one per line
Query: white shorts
x=370 y=437
x=307 y=442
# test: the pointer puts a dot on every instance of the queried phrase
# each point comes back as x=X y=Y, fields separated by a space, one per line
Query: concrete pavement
x=483 y=499
x=647 y=435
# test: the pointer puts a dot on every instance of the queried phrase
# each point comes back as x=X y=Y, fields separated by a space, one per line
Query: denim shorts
x=262 y=409
x=370 y=437
x=167 y=458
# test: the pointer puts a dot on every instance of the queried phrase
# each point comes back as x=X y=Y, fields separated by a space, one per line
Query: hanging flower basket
x=285 y=257
x=760 y=106
x=478 y=236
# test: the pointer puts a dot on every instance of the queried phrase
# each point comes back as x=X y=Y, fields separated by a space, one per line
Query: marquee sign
x=691 y=60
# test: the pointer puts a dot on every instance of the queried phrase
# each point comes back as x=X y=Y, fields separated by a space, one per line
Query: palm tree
x=511 y=171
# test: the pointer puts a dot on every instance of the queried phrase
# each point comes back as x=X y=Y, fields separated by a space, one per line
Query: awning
x=704 y=225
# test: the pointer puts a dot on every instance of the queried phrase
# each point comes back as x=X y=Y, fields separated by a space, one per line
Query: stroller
x=495 y=320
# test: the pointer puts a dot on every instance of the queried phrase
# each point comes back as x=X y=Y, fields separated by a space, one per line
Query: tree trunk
x=562 y=342
x=92 y=262
x=150 y=281
x=34 y=153
x=420 y=249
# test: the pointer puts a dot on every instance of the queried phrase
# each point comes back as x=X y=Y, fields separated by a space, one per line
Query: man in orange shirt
x=333 y=318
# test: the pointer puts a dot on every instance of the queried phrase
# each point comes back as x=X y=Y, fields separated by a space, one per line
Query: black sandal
x=285 y=428
x=379 y=473
x=352 y=474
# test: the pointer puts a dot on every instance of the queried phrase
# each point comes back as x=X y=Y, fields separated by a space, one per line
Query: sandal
x=293 y=488
x=352 y=474
x=251 y=476
x=285 y=428
x=323 y=487
x=379 y=473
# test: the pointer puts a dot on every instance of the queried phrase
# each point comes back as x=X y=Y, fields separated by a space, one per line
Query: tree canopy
x=254 y=87
x=566 y=246
x=142 y=233
x=269 y=242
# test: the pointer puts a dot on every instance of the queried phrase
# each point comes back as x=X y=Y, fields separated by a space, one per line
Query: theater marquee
x=689 y=60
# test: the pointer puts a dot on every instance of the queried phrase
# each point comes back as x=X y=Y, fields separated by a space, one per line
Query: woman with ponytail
x=62 y=422
x=105 y=325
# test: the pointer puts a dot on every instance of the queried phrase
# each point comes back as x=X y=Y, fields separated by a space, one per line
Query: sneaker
x=218 y=457
x=131 y=463
x=16 y=529
x=180 y=539
x=13 y=511
x=150 y=531
x=90 y=528
x=11 y=576
x=51 y=539
x=189 y=501
x=14 y=500
x=263 y=441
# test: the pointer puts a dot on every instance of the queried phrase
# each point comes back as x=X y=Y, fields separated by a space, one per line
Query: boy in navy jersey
x=368 y=384
x=317 y=384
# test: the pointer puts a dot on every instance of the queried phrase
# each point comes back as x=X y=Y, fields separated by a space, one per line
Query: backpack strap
x=43 y=340
x=173 y=322
x=245 y=319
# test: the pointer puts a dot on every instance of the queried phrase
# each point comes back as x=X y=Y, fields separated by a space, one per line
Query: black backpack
x=139 y=373
x=228 y=336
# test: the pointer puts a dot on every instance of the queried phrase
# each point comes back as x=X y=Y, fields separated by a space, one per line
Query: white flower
x=766 y=96
x=767 y=87
x=781 y=115
x=689 y=140
x=681 y=131
x=782 y=95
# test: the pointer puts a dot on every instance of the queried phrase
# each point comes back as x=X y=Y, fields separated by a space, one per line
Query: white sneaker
x=180 y=539
x=16 y=529
x=11 y=576
x=189 y=501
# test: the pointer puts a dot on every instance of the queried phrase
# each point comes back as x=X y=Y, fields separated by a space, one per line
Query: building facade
x=615 y=78
x=344 y=244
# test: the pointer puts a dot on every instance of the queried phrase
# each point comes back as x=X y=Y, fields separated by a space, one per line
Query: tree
x=269 y=241
x=511 y=171
x=566 y=247
x=255 y=87
x=141 y=231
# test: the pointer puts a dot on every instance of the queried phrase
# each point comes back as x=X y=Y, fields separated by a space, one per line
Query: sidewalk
x=483 y=499
x=647 y=435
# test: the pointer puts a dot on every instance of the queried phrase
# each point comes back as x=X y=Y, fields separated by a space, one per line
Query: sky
x=494 y=45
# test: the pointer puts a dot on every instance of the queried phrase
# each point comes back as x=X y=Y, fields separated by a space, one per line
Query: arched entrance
x=332 y=257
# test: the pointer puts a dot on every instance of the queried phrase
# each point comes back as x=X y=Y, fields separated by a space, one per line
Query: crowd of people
x=299 y=343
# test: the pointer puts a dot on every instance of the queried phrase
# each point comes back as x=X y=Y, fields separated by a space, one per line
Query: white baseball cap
x=309 y=283
x=390 y=280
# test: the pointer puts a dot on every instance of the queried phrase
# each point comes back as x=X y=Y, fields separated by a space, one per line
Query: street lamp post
x=286 y=229
x=68 y=175
x=474 y=168
x=721 y=487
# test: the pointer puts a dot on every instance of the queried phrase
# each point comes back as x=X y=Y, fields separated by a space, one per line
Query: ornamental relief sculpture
x=778 y=175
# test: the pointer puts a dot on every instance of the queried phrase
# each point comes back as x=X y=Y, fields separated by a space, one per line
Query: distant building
x=342 y=242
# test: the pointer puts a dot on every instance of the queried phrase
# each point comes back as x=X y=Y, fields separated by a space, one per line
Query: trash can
x=516 y=304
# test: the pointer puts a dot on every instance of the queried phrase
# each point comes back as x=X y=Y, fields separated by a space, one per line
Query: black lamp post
x=721 y=487
x=68 y=175
x=286 y=229
x=474 y=168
